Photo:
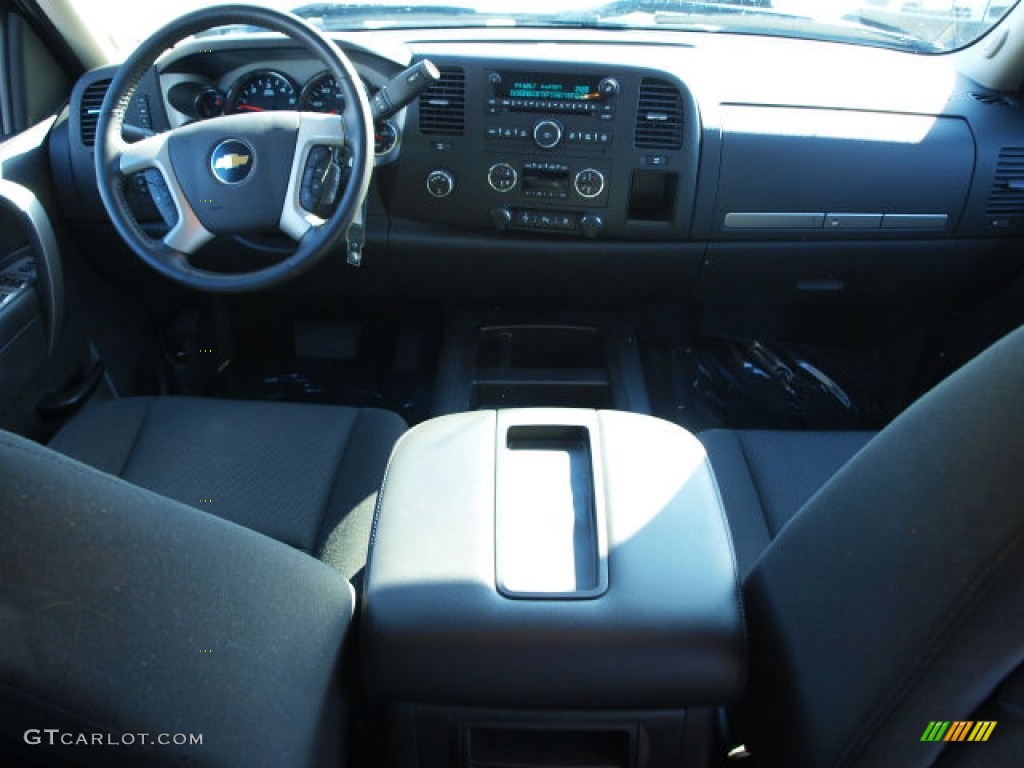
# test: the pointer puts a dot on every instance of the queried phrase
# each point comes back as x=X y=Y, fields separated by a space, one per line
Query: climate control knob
x=440 y=183
x=547 y=134
x=502 y=177
x=589 y=182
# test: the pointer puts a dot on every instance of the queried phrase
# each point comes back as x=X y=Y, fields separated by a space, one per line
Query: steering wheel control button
x=321 y=180
x=502 y=177
x=161 y=196
x=547 y=134
x=440 y=183
x=589 y=183
x=232 y=161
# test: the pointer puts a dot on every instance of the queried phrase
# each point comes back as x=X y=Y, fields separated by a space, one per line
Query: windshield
x=927 y=26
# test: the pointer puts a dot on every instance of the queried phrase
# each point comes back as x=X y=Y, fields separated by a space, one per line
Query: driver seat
x=306 y=475
x=143 y=595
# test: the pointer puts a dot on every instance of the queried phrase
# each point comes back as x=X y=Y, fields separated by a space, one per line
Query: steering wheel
x=235 y=174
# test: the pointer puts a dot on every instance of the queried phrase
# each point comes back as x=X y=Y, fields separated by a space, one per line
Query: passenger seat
x=765 y=476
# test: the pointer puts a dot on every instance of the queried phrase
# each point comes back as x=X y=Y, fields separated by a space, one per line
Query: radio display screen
x=523 y=85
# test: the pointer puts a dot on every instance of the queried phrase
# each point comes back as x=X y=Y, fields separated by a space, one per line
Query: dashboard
x=571 y=154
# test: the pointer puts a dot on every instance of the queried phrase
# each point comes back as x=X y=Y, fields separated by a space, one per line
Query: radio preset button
x=502 y=177
x=504 y=132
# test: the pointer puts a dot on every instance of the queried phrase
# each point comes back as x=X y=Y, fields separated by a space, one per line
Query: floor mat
x=380 y=361
x=753 y=383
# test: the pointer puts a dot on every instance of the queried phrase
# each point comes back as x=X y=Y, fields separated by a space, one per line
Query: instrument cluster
x=266 y=90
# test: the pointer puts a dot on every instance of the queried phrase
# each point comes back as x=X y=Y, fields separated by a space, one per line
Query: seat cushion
x=765 y=476
x=124 y=612
x=306 y=475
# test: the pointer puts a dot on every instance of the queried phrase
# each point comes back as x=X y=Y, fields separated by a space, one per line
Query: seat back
x=124 y=613
x=895 y=596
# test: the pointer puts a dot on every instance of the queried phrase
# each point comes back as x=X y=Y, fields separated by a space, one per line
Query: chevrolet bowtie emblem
x=232 y=161
x=227 y=162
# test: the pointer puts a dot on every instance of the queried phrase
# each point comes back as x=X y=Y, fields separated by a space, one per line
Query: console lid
x=552 y=557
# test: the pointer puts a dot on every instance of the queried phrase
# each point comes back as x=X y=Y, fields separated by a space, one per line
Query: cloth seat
x=883 y=578
x=138 y=598
x=765 y=476
x=306 y=475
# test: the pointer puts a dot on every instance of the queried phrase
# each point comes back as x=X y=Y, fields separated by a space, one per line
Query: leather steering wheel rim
x=313 y=244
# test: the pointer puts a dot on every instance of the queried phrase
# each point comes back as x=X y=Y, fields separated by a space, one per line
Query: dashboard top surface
x=720 y=68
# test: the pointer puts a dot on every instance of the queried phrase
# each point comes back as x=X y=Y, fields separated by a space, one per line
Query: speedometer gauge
x=322 y=94
x=263 y=92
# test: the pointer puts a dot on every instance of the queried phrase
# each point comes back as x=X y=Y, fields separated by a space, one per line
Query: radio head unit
x=513 y=90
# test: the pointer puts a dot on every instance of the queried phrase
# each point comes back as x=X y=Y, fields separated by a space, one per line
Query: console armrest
x=633 y=602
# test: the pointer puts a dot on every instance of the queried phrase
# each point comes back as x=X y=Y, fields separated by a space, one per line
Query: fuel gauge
x=385 y=138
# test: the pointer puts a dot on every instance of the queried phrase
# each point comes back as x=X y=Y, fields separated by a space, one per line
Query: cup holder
x=541 y=365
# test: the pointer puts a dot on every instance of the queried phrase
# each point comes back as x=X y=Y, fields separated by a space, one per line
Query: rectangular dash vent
x=443 y=105
x=659 y=116
x=1006 y=202
x=89 y=110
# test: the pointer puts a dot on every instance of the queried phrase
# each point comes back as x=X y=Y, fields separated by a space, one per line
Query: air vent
x=1006 y=203
x=92 y=100
x=659 y=116
x=443 y=105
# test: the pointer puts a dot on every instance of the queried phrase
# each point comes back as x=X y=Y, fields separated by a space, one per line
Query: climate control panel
x=568 y=180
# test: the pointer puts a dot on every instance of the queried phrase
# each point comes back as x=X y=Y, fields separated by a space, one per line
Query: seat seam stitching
x=135 y=440
x=933 y=647
x=319 y=542
x=377 y=510
x=742 y=672
x=757 y=487
x=80 y=468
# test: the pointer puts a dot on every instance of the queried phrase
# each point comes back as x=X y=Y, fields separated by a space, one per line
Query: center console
x=551 y=587
x=551 y=149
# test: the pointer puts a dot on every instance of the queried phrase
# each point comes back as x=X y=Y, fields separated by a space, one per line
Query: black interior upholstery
x=124 y=612
x=765 y=476
x=895 y=595
x=306 y=475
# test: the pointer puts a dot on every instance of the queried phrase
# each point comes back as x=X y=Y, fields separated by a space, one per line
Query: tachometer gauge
x=209 y=102
x=263 y=92
x=322 y=94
